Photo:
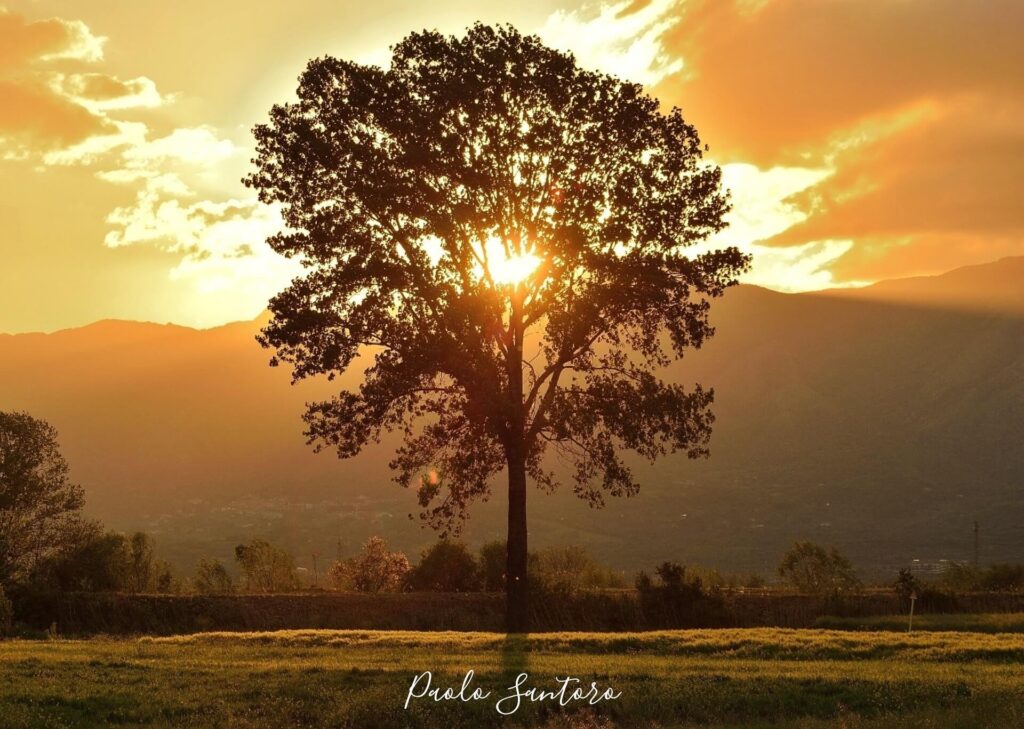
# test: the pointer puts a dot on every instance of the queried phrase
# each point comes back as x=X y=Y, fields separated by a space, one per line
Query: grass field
x=735 y=678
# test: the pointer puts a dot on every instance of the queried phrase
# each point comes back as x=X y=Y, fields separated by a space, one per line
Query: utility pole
x=976 y=561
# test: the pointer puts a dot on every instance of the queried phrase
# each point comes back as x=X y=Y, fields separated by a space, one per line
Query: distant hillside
x=994 y=287
x=885 y=427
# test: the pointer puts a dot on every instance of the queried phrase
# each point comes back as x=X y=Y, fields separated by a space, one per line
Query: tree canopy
x=38 y=501
x=812 y=569
x=512 y=239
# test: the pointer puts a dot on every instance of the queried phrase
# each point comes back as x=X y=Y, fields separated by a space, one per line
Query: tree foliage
x=493 y=562
x=404 y=188
x=906 y=584
x=266 y=568
x=374 y=569
x=212 y=578
x=39 y=505
x=90 y=559
x=812 y=569
x=446 y=566
x=571 y=568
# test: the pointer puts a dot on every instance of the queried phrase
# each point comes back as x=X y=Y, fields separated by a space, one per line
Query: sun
x=509 y=270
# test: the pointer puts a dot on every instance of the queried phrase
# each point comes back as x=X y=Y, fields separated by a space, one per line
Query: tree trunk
x=517 y=614
x=517 y=606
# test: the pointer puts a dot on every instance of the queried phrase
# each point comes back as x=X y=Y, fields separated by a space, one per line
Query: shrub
x=446 y=567
x=1003 y=578
x=754 y=580
x=93 y=560
x=994 y=578
x=675 y=599
x=961 y=578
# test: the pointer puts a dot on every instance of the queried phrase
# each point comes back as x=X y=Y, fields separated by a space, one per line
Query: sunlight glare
x=506 y=270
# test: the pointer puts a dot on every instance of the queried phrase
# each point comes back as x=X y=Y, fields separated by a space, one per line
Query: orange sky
x=862 y=139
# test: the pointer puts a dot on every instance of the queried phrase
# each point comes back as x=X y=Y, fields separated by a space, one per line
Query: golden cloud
x=917 y=106
x=42 y=110
x=785 y=77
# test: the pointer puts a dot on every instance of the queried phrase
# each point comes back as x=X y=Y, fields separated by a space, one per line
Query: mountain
x=993 y=287
x=885 y=420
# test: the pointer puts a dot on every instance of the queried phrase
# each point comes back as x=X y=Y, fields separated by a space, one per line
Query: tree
x=906 y=584
x=481 y=193
x=141 y=569
x=571 y=568
x=212 y=578
x=810 y=568
x=446 y=566
x=39 y=505
x=89 y=560
x=266 y=568
x=375 y=569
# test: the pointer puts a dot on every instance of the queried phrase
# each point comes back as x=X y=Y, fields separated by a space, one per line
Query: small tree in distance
x=39 y=505
x=493 y=562
x=374 y=569
x=506 y=235
x=447 y=566
x=812 y=569
x=266 y=568
x=212 y=578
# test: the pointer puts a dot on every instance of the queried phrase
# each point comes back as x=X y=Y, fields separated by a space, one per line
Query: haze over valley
x=884 y=420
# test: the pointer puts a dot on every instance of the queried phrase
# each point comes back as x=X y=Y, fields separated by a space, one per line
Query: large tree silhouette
x=505 y=233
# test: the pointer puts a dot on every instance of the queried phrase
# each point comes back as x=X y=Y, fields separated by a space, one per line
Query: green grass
x=975 y=623
x=734 y=678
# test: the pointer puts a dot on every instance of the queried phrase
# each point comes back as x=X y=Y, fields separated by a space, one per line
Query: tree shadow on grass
x=514 y=657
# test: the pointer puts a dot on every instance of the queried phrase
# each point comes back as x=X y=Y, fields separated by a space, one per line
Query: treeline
x=446 y=566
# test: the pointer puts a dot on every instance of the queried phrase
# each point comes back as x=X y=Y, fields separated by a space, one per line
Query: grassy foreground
x=740 y=678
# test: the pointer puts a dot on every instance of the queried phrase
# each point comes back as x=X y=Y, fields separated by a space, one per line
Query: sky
x=861 y=139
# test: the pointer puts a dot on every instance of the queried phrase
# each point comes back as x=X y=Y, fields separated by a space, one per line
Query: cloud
x=23 y=42
x=788 y=76
x=623 y=39
x=221 y=241
x=917 y=106
x=99 y=92
x=762 y=207
x=31 y=114
x=71 y=117
x=958 y=172
x=43 y=111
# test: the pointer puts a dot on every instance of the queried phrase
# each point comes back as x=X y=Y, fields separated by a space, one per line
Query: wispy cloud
x=624 y=39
